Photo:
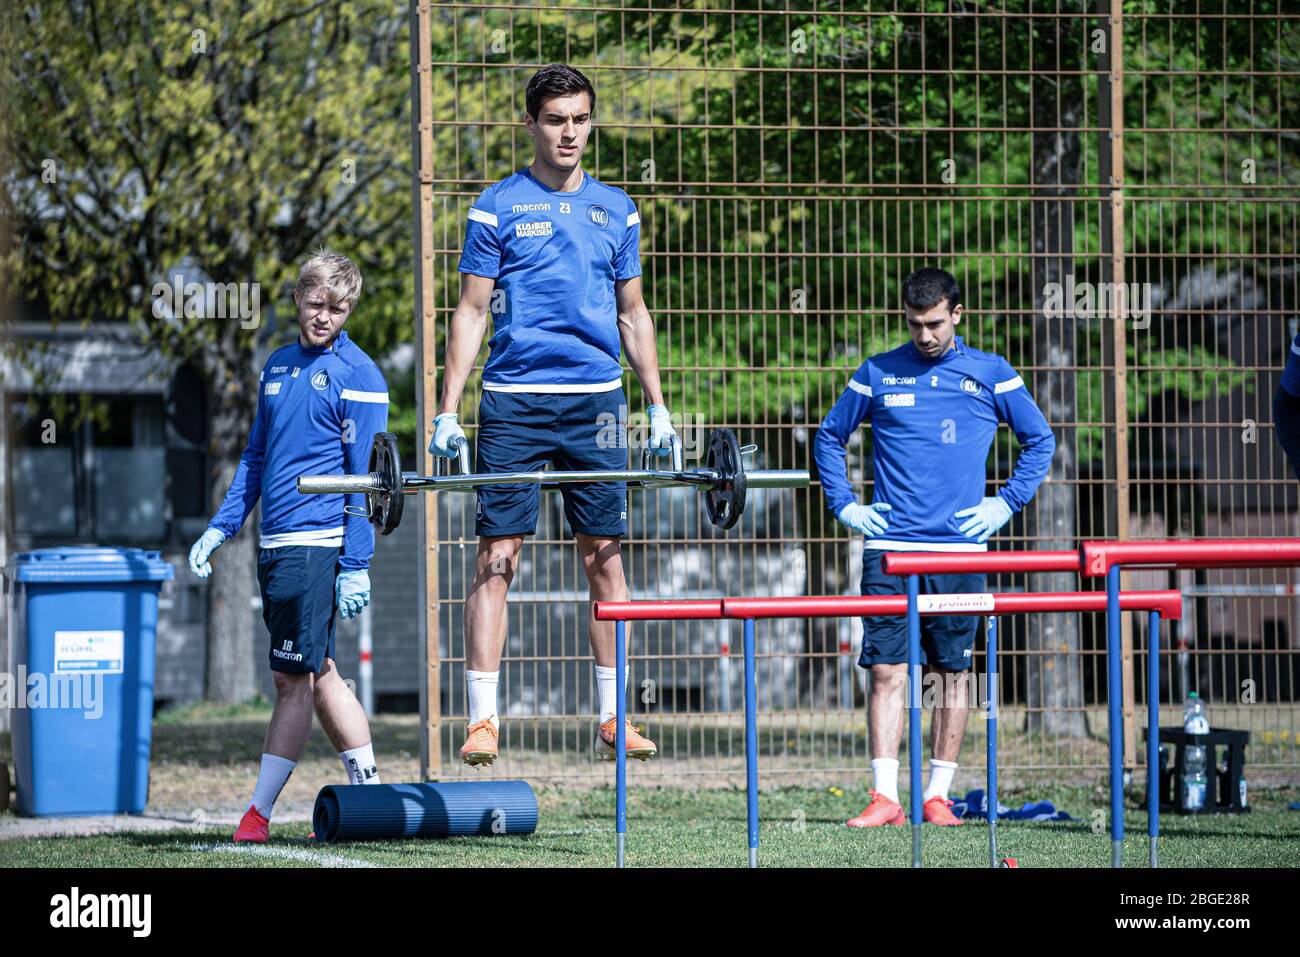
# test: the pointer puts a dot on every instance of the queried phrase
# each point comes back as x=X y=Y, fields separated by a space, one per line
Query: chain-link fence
x=1123 y=228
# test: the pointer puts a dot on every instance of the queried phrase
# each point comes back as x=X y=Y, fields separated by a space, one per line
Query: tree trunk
x=1055 y=679
x=229 y=664
x=229 y=677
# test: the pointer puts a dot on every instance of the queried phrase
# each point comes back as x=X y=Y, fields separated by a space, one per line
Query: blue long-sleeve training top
x=317 y=413
x=932 y=423
x=1286 y=408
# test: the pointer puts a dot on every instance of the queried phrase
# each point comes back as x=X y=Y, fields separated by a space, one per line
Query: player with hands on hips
x=934 y=405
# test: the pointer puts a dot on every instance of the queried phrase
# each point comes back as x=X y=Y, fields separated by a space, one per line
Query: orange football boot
x=638 y=747
x=480 y=748
x=253 y=828
x=936 y=811
x=879 y=812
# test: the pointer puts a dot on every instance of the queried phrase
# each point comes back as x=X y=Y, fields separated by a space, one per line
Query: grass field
x=204 y=763
x=706 y=828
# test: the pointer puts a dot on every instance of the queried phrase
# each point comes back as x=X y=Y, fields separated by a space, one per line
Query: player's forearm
x=1032 y=466
x=830 y=447
x=638 y=333
x=241 y=498
x=358 y=542
x=464 y=338
x=832 y=469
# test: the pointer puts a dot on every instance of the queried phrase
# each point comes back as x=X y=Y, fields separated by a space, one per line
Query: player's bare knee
x=889 y=674
x=603 y=562
x=889 y=679
x=327 y=679
x=607 y=580
x=291 y=685
x=497 y=558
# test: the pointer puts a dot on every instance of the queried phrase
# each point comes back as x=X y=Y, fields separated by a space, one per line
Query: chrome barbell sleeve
x=339 y=484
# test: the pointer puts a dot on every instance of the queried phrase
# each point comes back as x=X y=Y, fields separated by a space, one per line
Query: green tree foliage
x=238 y=136
x=228 y=137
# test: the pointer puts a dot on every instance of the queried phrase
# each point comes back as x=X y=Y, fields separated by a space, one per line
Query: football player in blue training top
x=321 y=400
x=934 y=405
x=552 y=253
x=1286 y=408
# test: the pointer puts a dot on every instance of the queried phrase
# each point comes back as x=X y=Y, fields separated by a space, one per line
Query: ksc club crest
x=970 y=386
x=599 y=215
x=320 y=381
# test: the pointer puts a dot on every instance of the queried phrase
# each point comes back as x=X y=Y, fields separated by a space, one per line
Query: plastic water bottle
x=1195 y=721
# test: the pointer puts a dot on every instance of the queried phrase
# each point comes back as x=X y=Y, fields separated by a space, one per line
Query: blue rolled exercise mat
x=370 y=812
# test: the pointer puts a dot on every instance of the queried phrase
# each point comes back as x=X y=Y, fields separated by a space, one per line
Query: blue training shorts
x=947 y=641
x=297 y=584
x=526 y=431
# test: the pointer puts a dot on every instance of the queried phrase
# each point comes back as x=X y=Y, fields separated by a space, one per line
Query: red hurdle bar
x=1168 y=603
x=1097 y=558
x=684 y=610
x=984 y=563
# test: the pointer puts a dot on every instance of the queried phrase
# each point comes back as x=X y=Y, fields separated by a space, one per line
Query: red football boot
x=253 y=828
x=936 y=811
x=879 y=812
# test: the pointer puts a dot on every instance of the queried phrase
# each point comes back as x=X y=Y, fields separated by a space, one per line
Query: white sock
x=884 y=774
x=607 y=691
x=941 y=773
x=481 y=687
x=359 y=764
x=271 y=778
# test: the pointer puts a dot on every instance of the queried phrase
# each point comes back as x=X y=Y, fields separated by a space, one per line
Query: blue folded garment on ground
x=975 y=805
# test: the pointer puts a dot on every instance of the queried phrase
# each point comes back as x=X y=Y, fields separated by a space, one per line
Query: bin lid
x=89 y=564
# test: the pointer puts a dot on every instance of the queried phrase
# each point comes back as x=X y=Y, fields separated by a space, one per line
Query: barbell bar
x=724 y=480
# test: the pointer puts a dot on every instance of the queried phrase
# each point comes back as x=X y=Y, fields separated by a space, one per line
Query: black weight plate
x=386 y=506
x=725 y=501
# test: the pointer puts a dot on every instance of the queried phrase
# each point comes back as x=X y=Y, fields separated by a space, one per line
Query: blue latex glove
x=447 y=436
x=352 y=592
x=661 y=430
x=985 y=518
x=201 y=550
x=867 y=519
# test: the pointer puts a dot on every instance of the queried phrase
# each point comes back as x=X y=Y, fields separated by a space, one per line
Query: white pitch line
x=286 y=853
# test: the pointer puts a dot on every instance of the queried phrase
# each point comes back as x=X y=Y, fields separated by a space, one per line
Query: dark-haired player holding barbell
x=934 y=404
x=552 y=254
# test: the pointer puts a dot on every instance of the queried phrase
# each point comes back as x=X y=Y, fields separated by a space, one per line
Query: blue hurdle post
x=991 y=729
x=914 y=710
x=751 y=743
x=1153 y=733
x=1114 y=692
x=620 y=736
